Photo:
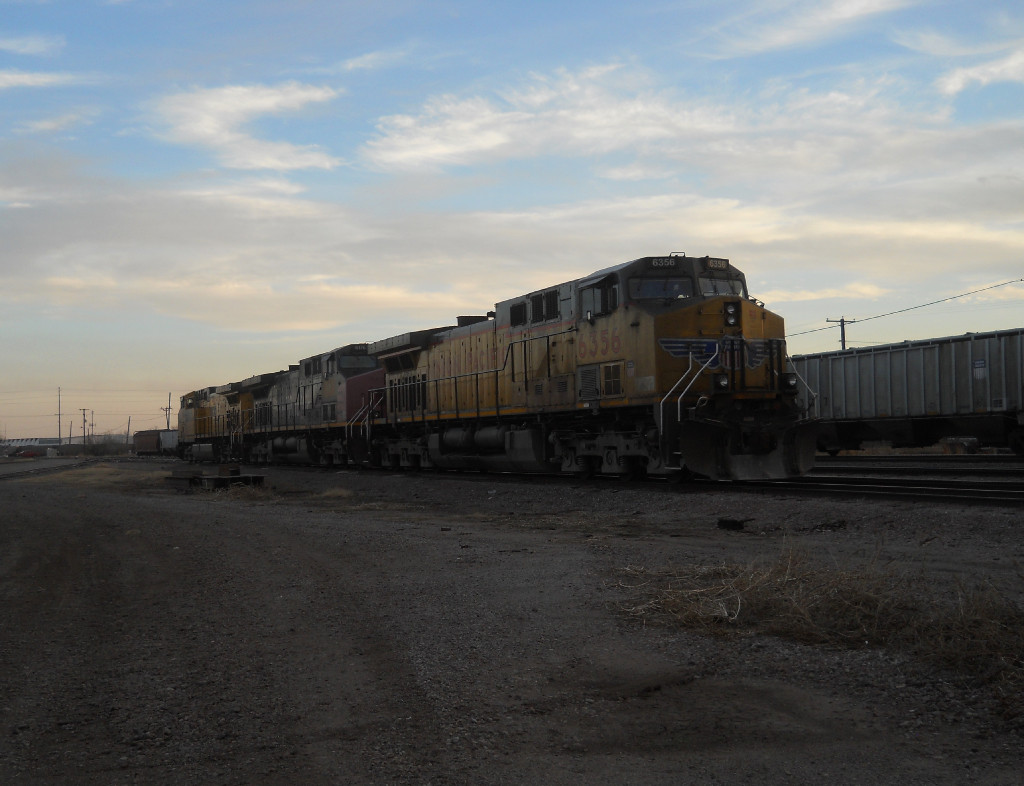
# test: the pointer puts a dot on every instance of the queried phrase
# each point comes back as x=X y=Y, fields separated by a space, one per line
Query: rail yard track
x=972 y=480
x=968 y=480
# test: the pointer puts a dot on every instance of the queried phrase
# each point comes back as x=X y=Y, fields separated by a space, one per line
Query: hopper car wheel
x=1016 y=441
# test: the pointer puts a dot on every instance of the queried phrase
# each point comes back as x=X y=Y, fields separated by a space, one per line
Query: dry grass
x=975 y=632
x=101 y=476
x=337 y=493
x=242 y=492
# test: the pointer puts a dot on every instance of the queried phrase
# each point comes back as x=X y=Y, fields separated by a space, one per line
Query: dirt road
x=369 y=628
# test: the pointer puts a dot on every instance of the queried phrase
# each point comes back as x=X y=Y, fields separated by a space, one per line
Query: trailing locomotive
x=663 y=365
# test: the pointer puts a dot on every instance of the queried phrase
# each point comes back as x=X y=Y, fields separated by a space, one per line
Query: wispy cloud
x=60 y=123
x=854 y=290
x=595 y=111
x=1005 y=69
x=772 y=25
x=215 y=118
x=32 y=45
x=13 y=78
x=371 y=61
x=935 y=44
x=600 y=114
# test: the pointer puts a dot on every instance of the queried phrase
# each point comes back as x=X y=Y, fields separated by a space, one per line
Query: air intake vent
x=588 y=383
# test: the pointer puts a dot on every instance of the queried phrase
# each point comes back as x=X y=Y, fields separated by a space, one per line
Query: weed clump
x=975 y=632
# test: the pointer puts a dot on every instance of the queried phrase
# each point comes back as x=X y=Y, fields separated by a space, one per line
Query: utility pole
x=84 y=410
x=167 y=411
x=843 y=322
x=58 y=418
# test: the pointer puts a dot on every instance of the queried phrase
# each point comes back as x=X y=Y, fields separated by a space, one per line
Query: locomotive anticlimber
x=664 y=365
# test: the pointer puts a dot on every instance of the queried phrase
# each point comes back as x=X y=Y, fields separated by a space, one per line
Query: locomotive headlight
x=721 y=382
x=732 y=314
x=788 y=382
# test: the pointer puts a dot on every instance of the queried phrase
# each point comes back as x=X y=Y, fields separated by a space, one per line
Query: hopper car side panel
x=918 y=392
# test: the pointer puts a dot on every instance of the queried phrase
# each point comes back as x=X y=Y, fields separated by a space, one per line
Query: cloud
x=935 y=44
x=13 y=78
x=607 y=119
x=214 y=118
x=60 y=123
x=1006 y=69
x=772 y=25
x=32 y=45
x=599 y=110
x=853 y=290
x=371 y=61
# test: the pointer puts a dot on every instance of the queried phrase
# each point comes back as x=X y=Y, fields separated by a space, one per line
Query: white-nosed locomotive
x=661 y=365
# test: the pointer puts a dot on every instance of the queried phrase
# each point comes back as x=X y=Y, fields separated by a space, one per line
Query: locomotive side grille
x=588 y=383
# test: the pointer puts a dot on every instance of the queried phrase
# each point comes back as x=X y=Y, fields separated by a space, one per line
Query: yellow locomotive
x=663 y=365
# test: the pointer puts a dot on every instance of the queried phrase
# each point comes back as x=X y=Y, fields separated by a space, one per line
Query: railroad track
x=989 y=466
x=968 y=492
x=26 y=468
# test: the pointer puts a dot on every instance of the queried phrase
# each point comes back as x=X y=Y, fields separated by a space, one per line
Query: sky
x=193 y=192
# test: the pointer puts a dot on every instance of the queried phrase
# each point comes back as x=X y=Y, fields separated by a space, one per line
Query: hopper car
x=664 y=365
x=916 y=393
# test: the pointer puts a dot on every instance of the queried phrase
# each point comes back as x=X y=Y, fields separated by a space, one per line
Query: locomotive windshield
x=711 y=286
x=660 y=288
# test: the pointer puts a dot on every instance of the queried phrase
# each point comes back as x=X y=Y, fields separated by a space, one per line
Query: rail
x=935 y=491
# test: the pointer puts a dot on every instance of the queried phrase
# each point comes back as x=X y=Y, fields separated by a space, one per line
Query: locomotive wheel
x=636 y=468
x=1016 y=441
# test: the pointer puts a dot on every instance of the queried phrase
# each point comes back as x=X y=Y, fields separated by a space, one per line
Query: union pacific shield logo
x=757 y=352
x=732 y=352
x=701 y=350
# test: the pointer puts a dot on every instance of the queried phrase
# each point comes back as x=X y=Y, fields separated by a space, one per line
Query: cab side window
x=517 y=314
x=600 y=299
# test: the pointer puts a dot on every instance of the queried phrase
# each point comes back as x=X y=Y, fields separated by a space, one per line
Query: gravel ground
x=357 y=627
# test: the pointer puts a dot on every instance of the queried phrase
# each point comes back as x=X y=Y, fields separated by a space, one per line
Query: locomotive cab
x=659 y=285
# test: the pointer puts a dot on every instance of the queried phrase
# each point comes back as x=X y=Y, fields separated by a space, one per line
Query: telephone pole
x=84 y=421
x=843 y=322
x=167 y=411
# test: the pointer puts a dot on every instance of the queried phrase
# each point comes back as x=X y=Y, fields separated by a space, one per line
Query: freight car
x=916 y=393
x=663 y=365
x=155 y=442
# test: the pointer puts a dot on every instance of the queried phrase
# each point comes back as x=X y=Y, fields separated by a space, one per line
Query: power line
x=905 y=310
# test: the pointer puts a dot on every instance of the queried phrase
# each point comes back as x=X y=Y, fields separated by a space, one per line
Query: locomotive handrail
x=812 y=395
x=369 y=407
x=358 y=414
x=679 y=400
